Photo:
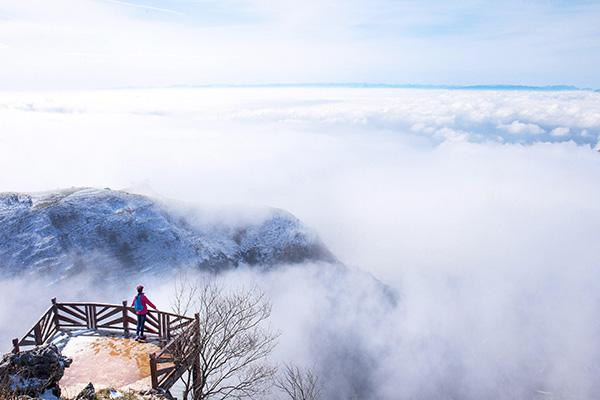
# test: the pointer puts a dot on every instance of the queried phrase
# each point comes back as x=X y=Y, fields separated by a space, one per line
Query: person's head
x=140 y=288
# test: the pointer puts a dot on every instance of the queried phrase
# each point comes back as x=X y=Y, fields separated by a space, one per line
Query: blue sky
x=116 y=43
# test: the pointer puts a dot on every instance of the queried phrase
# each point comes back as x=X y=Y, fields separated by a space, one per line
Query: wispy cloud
x=256 y=41
x=143 y=6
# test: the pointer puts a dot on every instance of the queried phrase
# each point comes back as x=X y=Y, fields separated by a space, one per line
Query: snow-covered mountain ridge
x=82 y=229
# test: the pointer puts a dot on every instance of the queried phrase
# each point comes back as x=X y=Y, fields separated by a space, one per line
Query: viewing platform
x=97 y=337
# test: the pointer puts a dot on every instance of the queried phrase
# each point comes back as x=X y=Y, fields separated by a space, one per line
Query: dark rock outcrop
x=34 y=372
x=88 y=393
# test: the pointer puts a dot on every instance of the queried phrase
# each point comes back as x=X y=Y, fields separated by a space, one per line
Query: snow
x=48 y=395
x=77 y=229
x=115 y=394
x=18 y=383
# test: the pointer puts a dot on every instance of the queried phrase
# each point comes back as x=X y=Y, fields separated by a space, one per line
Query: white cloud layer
x=488 y=235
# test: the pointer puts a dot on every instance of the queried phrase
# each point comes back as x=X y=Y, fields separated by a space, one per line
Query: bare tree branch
x=233 y=345
x=298 y=384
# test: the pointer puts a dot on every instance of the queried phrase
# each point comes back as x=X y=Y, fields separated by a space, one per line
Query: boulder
x=34 y=373
x=114 y=394
x=88 y=393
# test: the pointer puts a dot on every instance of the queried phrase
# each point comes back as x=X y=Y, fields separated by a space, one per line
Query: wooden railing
x=177 y=334
x=41 y=332
x=175 y=357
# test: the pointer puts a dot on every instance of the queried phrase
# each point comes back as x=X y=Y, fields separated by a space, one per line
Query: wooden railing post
x=91 y=316
x=125 y=319
x=15 y=343
x=87 y=316
x=55 y=314
x=161 y=334
x=168 y=326
x=197 y=368
x=37 y=334
x=153 y=372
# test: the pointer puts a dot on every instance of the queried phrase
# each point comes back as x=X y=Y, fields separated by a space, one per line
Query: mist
x=479 y=210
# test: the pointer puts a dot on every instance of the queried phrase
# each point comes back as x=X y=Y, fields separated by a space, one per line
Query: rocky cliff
x=77 y=230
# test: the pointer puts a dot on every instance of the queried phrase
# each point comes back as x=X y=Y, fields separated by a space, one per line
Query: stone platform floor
x=108 y=361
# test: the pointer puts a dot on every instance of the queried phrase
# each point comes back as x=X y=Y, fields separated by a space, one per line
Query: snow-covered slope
x=82 y=229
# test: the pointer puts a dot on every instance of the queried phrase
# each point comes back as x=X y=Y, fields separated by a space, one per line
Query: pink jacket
x=145 y=304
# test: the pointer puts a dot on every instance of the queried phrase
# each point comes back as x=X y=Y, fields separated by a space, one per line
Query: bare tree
x=232 y=343
x=298 y=384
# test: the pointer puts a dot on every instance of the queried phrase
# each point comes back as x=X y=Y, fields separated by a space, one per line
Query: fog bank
x=480 y=209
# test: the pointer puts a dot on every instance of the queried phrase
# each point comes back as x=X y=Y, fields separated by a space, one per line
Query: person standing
x=140 y=304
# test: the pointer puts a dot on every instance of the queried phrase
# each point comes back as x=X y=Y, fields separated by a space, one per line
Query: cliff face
x=80 y=229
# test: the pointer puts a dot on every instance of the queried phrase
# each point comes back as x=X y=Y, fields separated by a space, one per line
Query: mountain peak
x=82 y=229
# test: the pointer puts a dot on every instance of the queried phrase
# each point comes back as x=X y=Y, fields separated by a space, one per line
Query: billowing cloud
x=517 y=127
x=487 y=236
x=560 y=131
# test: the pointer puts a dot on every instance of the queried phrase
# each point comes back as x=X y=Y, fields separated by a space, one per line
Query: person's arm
x=133 y=302
x=148 y=302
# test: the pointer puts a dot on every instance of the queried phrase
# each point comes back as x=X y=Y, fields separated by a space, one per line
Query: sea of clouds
x=479 y=209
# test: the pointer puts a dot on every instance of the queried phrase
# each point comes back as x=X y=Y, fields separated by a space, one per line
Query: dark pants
x=140 y=325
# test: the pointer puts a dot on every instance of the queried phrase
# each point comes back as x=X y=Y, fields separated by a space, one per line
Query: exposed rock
x=75 y=230
x=88 y=393
x=113 y=394
x=34 y=373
